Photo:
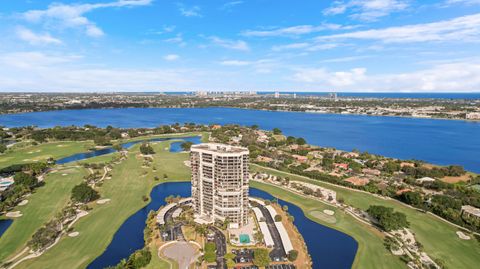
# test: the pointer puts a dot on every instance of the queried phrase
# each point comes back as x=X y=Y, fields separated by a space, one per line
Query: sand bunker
x=329 y=212
x=15 y=214
x=24 y=202
x=103 y=201
x=463 y=236
x=323 y=216
x=73 y=234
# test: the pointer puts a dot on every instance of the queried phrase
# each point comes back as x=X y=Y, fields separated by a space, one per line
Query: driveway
x=183 y=253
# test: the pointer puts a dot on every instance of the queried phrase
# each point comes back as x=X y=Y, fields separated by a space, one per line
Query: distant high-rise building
x=277 y=95
x=220 y=183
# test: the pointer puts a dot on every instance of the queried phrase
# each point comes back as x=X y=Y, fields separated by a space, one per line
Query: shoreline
x=243 y=108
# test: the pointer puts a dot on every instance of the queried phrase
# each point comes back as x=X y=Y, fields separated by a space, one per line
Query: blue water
x=329 y=248
x=440 y=142
x=175 y=147
x=130 y=235
x=4 y=224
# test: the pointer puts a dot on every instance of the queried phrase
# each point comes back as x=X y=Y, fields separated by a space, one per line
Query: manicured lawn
x=42 y=206
x=125 y=189
x=42 y=152
x=370 y=254
x=437 y=237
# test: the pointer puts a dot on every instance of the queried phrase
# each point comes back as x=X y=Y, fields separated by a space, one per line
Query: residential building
x=471 y=214
x=473 y=116
x=220 y=183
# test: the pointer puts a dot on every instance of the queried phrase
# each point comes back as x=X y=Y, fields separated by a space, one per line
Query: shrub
x=292 y=255
x=261 y=257
x=83 y=193
x=146 y=149
x=278 y=218
x=24 y=179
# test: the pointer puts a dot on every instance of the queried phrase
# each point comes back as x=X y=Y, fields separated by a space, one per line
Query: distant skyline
x=240 y=45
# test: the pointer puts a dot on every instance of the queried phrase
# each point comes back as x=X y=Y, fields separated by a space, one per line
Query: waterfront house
x=471 y=214
x=264 y=159
x=357 y=181
x=343 y=166
x=372 y=172
x=300 y=158
x=473 y=116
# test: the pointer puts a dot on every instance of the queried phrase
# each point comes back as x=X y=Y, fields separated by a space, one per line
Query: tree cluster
x=387 y=219
x=83 y=193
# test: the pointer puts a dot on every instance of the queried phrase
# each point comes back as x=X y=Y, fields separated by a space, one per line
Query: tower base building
x=220 y=177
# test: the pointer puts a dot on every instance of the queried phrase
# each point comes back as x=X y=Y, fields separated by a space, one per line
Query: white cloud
x=230 y=5
x=315 y=46
x=230 y=44
x=450 y=77
x=464 y=29
x=301 y=45
x=177 y=39
x=334 y=79
x=34 y=60
x=294 y=30
x=345 y=59
x=72 y=16
x=36 y=39
x=462 y=2
x=189 y=11
x=235 y=63
x=171 y=57
x=262 y=66
x=367 y=10
x=49 y=72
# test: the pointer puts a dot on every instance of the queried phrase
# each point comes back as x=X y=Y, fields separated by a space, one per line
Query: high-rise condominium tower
x=220 y=183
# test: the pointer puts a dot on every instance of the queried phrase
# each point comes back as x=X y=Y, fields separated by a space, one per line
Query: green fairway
x=437 y=237
x=42 y=152
x=42 y=206
x=128 y=184
x=370 y=254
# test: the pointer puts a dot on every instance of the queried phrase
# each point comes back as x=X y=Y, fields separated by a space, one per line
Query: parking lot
x=277 y=253
x=243 y=255
x=172 y=232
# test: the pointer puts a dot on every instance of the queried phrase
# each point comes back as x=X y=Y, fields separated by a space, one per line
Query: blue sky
x=157 y=45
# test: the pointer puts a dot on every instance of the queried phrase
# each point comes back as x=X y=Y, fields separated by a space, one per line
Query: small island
x=221 y=225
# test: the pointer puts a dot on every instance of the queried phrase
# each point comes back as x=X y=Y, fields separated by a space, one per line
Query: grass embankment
x=158 y=263
x=44 y=151
x=42 y=206
x=370 y=254
x=437 y=237
x=129 y=183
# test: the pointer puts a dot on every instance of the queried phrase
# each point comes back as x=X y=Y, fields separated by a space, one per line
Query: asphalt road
x=221 y=244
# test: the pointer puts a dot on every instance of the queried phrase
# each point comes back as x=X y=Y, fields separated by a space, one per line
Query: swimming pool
x=6 y=183
x=244 y=238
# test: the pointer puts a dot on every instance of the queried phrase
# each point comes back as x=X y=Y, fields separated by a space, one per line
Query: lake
x=440 y=142
x=329 y=248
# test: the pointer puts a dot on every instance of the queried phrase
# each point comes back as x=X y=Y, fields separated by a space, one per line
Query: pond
x=328 y=248
x=175 y=147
